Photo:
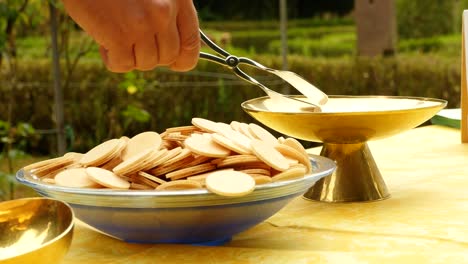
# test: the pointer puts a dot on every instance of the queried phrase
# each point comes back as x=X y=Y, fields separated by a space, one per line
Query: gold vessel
x=344 y=127
x=34 y=230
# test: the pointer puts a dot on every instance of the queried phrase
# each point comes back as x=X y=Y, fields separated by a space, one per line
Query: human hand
x=140 y=34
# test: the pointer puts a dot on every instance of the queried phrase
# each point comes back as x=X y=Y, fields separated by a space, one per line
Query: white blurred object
x=464 y=86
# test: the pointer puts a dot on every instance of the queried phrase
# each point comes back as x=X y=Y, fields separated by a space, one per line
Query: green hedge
x=422 y=18
x=245 y=25
x=320 y=41
x=330 y=45
x=344 y=44
x=331 y=42
x=259 y=39
x=445 y=45
x=94 y=104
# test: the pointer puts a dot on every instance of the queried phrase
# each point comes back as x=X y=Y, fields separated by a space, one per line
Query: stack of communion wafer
x=227 y=159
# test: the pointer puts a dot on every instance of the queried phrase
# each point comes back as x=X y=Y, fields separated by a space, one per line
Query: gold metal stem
x=356 y=179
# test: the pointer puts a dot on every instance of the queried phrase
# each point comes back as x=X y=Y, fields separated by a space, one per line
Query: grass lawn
x=20 y=191
x=251 y=38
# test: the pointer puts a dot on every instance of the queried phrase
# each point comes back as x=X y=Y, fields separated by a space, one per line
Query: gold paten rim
x=443 y=103
x=64 y=233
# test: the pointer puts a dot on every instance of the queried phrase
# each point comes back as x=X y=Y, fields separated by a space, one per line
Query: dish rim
x=176 y=198
x=246 y=105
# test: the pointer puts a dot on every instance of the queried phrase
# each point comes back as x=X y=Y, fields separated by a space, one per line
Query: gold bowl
x=35 y=230
x=344 y=125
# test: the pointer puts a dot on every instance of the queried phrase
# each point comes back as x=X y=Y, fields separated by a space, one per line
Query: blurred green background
x=98 y=105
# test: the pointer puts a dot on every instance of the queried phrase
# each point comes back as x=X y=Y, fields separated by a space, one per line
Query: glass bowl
x=189 y=216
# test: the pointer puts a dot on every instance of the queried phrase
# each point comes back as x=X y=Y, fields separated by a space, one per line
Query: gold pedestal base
x=356 y=179
x=345 y=133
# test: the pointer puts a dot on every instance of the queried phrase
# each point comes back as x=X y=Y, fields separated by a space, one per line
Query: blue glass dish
x=189 y=216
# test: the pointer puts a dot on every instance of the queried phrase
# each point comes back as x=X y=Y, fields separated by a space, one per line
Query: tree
x=58 y=92
x=376 y=27
x=10 y=10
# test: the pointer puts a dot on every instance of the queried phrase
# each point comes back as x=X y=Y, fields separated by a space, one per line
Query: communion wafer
x=115 y=157
x=175 y=136
x=198 y=159
x=169 y=155
x=100 y=154
x=229 y=144
x=206 y=146
x=183 y=129
x=50 y=170
x=291 y=160
x=244 y=129
x=142 y=163
x=161 y=170
x=179 y=185
x=290 y=174
x=288 y=151
x=223 y=126
x=262 y=134
x=261 y=179
x=239 y=139
x=185 y=172
x=143 y=180
x=202 y=177
x=298 y=146
x=168 y=144
x=77 y=177
x=186 y=155
x=294 y=143
x=151 y=177
x=45 y=168
x=235 y=125
x=71 y=166
x=230 y=183
x=236 y=160
x=126 y=166
x=155 y=159
x=111 y=164
x=142 y=142
x=49 y=173
x=268 y=154
x=107 y=178
x=121 y=147
x=137 y=186
x=74 y=155
x=42 y=163
x=48 y=180
x=51 y=163
x=251 y=165
x=205 y=124
x=200 y=180
x=126 y=178
x=257 y=171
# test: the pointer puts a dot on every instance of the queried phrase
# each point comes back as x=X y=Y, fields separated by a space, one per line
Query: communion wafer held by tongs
x=314 y=95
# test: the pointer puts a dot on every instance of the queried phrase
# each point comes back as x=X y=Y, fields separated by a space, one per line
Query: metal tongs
x=315 y=96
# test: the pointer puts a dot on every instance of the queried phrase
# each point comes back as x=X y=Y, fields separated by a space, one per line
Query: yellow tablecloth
x=425 y=220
